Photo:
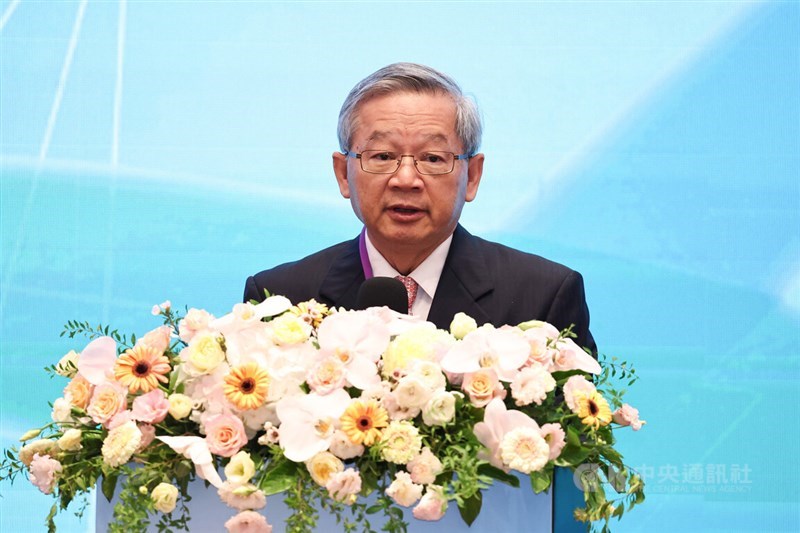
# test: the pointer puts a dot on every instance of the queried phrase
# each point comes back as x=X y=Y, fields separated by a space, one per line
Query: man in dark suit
x=409 y=161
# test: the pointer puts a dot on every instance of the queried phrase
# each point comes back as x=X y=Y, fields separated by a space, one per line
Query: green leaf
x=540 y=481
x=471 y=508
x=51 y=525
x=109 y=485
x=495 y=473
x=279 y=477
x=372 y=509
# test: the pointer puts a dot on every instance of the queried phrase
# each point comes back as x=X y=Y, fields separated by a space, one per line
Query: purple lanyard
x=362 y=251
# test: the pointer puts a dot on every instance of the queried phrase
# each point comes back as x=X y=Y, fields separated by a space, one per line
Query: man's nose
x=406 y=173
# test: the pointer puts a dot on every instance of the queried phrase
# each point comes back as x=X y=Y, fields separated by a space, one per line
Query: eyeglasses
x=428 y=163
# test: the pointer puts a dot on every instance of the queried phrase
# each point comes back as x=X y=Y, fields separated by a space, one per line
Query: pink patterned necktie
x=411 y=289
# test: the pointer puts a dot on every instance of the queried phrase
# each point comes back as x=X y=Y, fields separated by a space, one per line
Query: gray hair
x=412 y=77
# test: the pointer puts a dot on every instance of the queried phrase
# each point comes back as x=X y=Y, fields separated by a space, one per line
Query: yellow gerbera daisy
x=141 y=368
x=247 y=386
x=593 y=409
x=363 y=420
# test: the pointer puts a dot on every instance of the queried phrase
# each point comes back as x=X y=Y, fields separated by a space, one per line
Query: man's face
x=407 y=212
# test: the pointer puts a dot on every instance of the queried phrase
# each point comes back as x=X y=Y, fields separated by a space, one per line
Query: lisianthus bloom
x=164 y=496
x=240 y=469
x=531 y=385
x=403 y=491
x=342 y=448
x=242 y=497
x=247 y=386
x=628 y=416
x=40 y=446
x=141 y=368
x=440 y=409
x=70 y=441
x=196 y=320
x=432 y=506
x=344 y=486
x=503 y=350
x=363 y=421
x=150 y=408
x=308 y=423
x=43 y=472
x=593 y=409
x=424 y=467
x=248 y=522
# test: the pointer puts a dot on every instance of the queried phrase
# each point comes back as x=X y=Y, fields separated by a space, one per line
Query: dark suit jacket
x=488 y=281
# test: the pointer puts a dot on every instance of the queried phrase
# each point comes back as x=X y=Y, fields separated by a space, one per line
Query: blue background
x=166 y=150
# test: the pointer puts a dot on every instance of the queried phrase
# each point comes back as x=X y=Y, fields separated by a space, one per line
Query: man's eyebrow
x=381 y=135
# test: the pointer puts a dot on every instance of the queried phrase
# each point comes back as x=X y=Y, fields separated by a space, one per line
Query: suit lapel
x=340 y=286
x=463 y=284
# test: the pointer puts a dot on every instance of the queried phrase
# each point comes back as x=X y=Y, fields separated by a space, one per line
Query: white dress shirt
x=426 y=275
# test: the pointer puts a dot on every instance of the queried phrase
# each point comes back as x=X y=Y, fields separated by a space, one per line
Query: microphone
x=383 y=291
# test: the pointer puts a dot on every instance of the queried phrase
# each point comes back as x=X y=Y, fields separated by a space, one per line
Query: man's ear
x=474 y=173
x=340 y=169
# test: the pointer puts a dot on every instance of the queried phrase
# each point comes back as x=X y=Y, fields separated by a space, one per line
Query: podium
x=505 y=509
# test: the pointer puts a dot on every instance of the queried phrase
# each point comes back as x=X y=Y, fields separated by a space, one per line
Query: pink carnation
x=248 y=522
x=225 y=434
x=628 y=416
x=151 y=408
x=555 y=437
x=43 y=471
x=148 y=435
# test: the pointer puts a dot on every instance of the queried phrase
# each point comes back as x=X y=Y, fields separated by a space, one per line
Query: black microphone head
x=383 y=291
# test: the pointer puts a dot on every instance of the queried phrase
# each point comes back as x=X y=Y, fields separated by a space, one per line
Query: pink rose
x=555 y=437
x=225 y=434
x=43 y=472
x=628 y=416
x=108 y=399
x=248 y=522
x=158 y=339
x=151 y=408
x=432 y=506
x=482 y=386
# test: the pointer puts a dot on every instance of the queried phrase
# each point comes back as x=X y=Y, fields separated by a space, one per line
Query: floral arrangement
x=327 y=406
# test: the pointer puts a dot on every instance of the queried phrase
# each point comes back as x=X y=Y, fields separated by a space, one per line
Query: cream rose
x=440 y=409
x=290 y=329
x=322 y=466
x=108 y=399
x=203 y=354
x=180 y=406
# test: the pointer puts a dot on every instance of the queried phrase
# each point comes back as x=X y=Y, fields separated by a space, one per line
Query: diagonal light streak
x=8 y=12
x=62 y=81
x=121 y=23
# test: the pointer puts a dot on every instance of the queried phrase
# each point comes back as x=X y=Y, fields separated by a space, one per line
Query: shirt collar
x=426 y=275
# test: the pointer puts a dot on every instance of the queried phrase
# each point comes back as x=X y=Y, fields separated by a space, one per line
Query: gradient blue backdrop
x=166 y=150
